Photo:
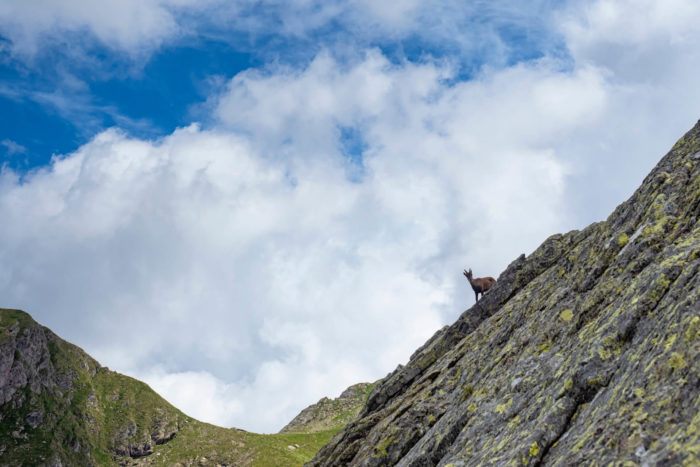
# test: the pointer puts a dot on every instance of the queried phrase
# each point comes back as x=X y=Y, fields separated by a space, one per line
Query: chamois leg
x=476 y=294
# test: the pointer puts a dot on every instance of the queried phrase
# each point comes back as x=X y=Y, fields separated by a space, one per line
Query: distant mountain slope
x=329 y=413
x=586 y=352
x=58 y=406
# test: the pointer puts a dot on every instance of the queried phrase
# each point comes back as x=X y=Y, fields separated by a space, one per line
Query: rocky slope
x=328 y=413
x=585 y=351
x=58 y=406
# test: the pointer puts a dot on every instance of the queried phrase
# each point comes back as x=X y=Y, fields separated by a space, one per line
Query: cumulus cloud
x=648 y=53
x=252 y=262
x=129 y=25
x=140 y=27
x=249 y=268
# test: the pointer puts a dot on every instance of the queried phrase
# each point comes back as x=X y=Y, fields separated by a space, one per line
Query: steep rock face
x=330 y=413
x=59 y=406
x=588 y=349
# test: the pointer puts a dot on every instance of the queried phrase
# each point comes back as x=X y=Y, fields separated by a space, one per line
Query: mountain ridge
x=59 y=406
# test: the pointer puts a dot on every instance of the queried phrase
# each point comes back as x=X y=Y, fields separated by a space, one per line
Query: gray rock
x=35 y=418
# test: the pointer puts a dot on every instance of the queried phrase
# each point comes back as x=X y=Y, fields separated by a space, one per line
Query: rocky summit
x=585 y=352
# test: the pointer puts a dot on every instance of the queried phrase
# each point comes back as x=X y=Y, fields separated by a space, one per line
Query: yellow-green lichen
x=566 y=315
x=622 y=240
x=534 y=449
x=670 y=340
x=653 y=230
x=380 y=450
x=500 y=408
x=659 y=289
x=678 y=144
x=597 y=381
x=514 y=422
x=693 y=330
x=640 y=415
x=544 y=347
x=677 y=361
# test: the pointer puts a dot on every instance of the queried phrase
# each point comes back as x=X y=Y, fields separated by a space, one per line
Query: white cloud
x=12 y=147
x=634 y=24
x=646 y=42
x=648 y=52
x=134 y=26
x=255 y=262
x=138 y=27
x=249 y=269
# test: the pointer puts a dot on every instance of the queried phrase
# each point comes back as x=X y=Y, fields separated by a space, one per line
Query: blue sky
x=147 y=99
x=57 y=97
x=253 y=205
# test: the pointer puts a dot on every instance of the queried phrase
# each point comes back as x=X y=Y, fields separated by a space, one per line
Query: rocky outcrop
x=59 y=406
x=25 y=362
x=585 y=350
x=330 y=413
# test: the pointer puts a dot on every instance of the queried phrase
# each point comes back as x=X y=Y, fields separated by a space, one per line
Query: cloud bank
x=313 y=234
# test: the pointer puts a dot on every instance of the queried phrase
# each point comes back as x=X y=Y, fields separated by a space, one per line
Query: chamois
x=480 y=284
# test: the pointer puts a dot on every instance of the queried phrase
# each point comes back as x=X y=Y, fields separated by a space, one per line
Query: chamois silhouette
x=480 y=284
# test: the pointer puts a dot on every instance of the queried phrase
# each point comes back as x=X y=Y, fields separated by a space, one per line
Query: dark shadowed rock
x=585 y=350
x=35 y=418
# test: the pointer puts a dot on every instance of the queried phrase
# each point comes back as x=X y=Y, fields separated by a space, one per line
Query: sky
x=251 y=205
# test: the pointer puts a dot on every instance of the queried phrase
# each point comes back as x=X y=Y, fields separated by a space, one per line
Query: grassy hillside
x=58 y=406
x=200 y=443
x=327 y=413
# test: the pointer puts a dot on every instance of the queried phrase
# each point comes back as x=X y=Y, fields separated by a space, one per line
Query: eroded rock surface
x=587 y=349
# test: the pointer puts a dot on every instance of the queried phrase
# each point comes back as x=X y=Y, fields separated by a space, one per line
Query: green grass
x=198 y=441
